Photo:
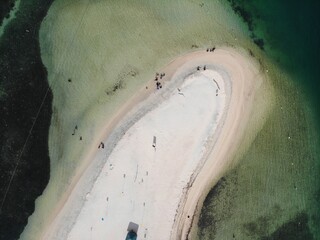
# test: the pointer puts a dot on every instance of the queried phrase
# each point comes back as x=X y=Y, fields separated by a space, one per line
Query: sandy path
x=238 y=73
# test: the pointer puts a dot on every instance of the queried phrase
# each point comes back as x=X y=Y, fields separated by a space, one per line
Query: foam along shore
x=196 y=122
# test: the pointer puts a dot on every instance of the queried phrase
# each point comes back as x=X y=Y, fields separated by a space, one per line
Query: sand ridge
x=241 y=74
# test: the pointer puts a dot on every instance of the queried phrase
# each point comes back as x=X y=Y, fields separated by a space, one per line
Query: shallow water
x=275 y=182
x=274 y=192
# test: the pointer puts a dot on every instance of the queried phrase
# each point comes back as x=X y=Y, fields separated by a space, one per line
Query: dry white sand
x=197 y=129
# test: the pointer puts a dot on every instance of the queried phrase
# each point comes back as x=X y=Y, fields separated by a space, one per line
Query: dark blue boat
x=131 y=236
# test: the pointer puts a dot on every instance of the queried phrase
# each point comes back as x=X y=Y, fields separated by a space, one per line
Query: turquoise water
x=291 y=33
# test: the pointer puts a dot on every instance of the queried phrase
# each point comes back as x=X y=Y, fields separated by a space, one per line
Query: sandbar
x=195 y=121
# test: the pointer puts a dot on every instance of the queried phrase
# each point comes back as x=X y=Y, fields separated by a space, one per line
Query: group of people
x=204 y=68
x=101 y=145
x=157 y=77
x=211 y=49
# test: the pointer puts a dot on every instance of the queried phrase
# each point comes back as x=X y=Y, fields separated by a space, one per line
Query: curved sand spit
x=197 y=119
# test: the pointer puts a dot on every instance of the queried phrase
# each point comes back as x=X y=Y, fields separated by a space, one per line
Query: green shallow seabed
x=274 y=191
x=276 y=184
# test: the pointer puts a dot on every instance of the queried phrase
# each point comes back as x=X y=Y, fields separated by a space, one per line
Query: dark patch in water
x=23 y=81
x=5 y=7
x=257 y=228
x=261 y=225
x=217 y=206
x=295 y=229
x=243 y=13
x=117 y=86
x=129 y=71
x=259 y=42
x=247 y=18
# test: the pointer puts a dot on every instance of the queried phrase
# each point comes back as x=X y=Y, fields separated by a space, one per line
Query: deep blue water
x=25 y=113
x=290 y=30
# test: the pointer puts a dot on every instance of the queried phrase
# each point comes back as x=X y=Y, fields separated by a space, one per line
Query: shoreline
x=235 y=134
x=173 y=68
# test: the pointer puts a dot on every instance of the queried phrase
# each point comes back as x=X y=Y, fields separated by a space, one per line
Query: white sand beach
x=100 y=58
x=197 y=118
